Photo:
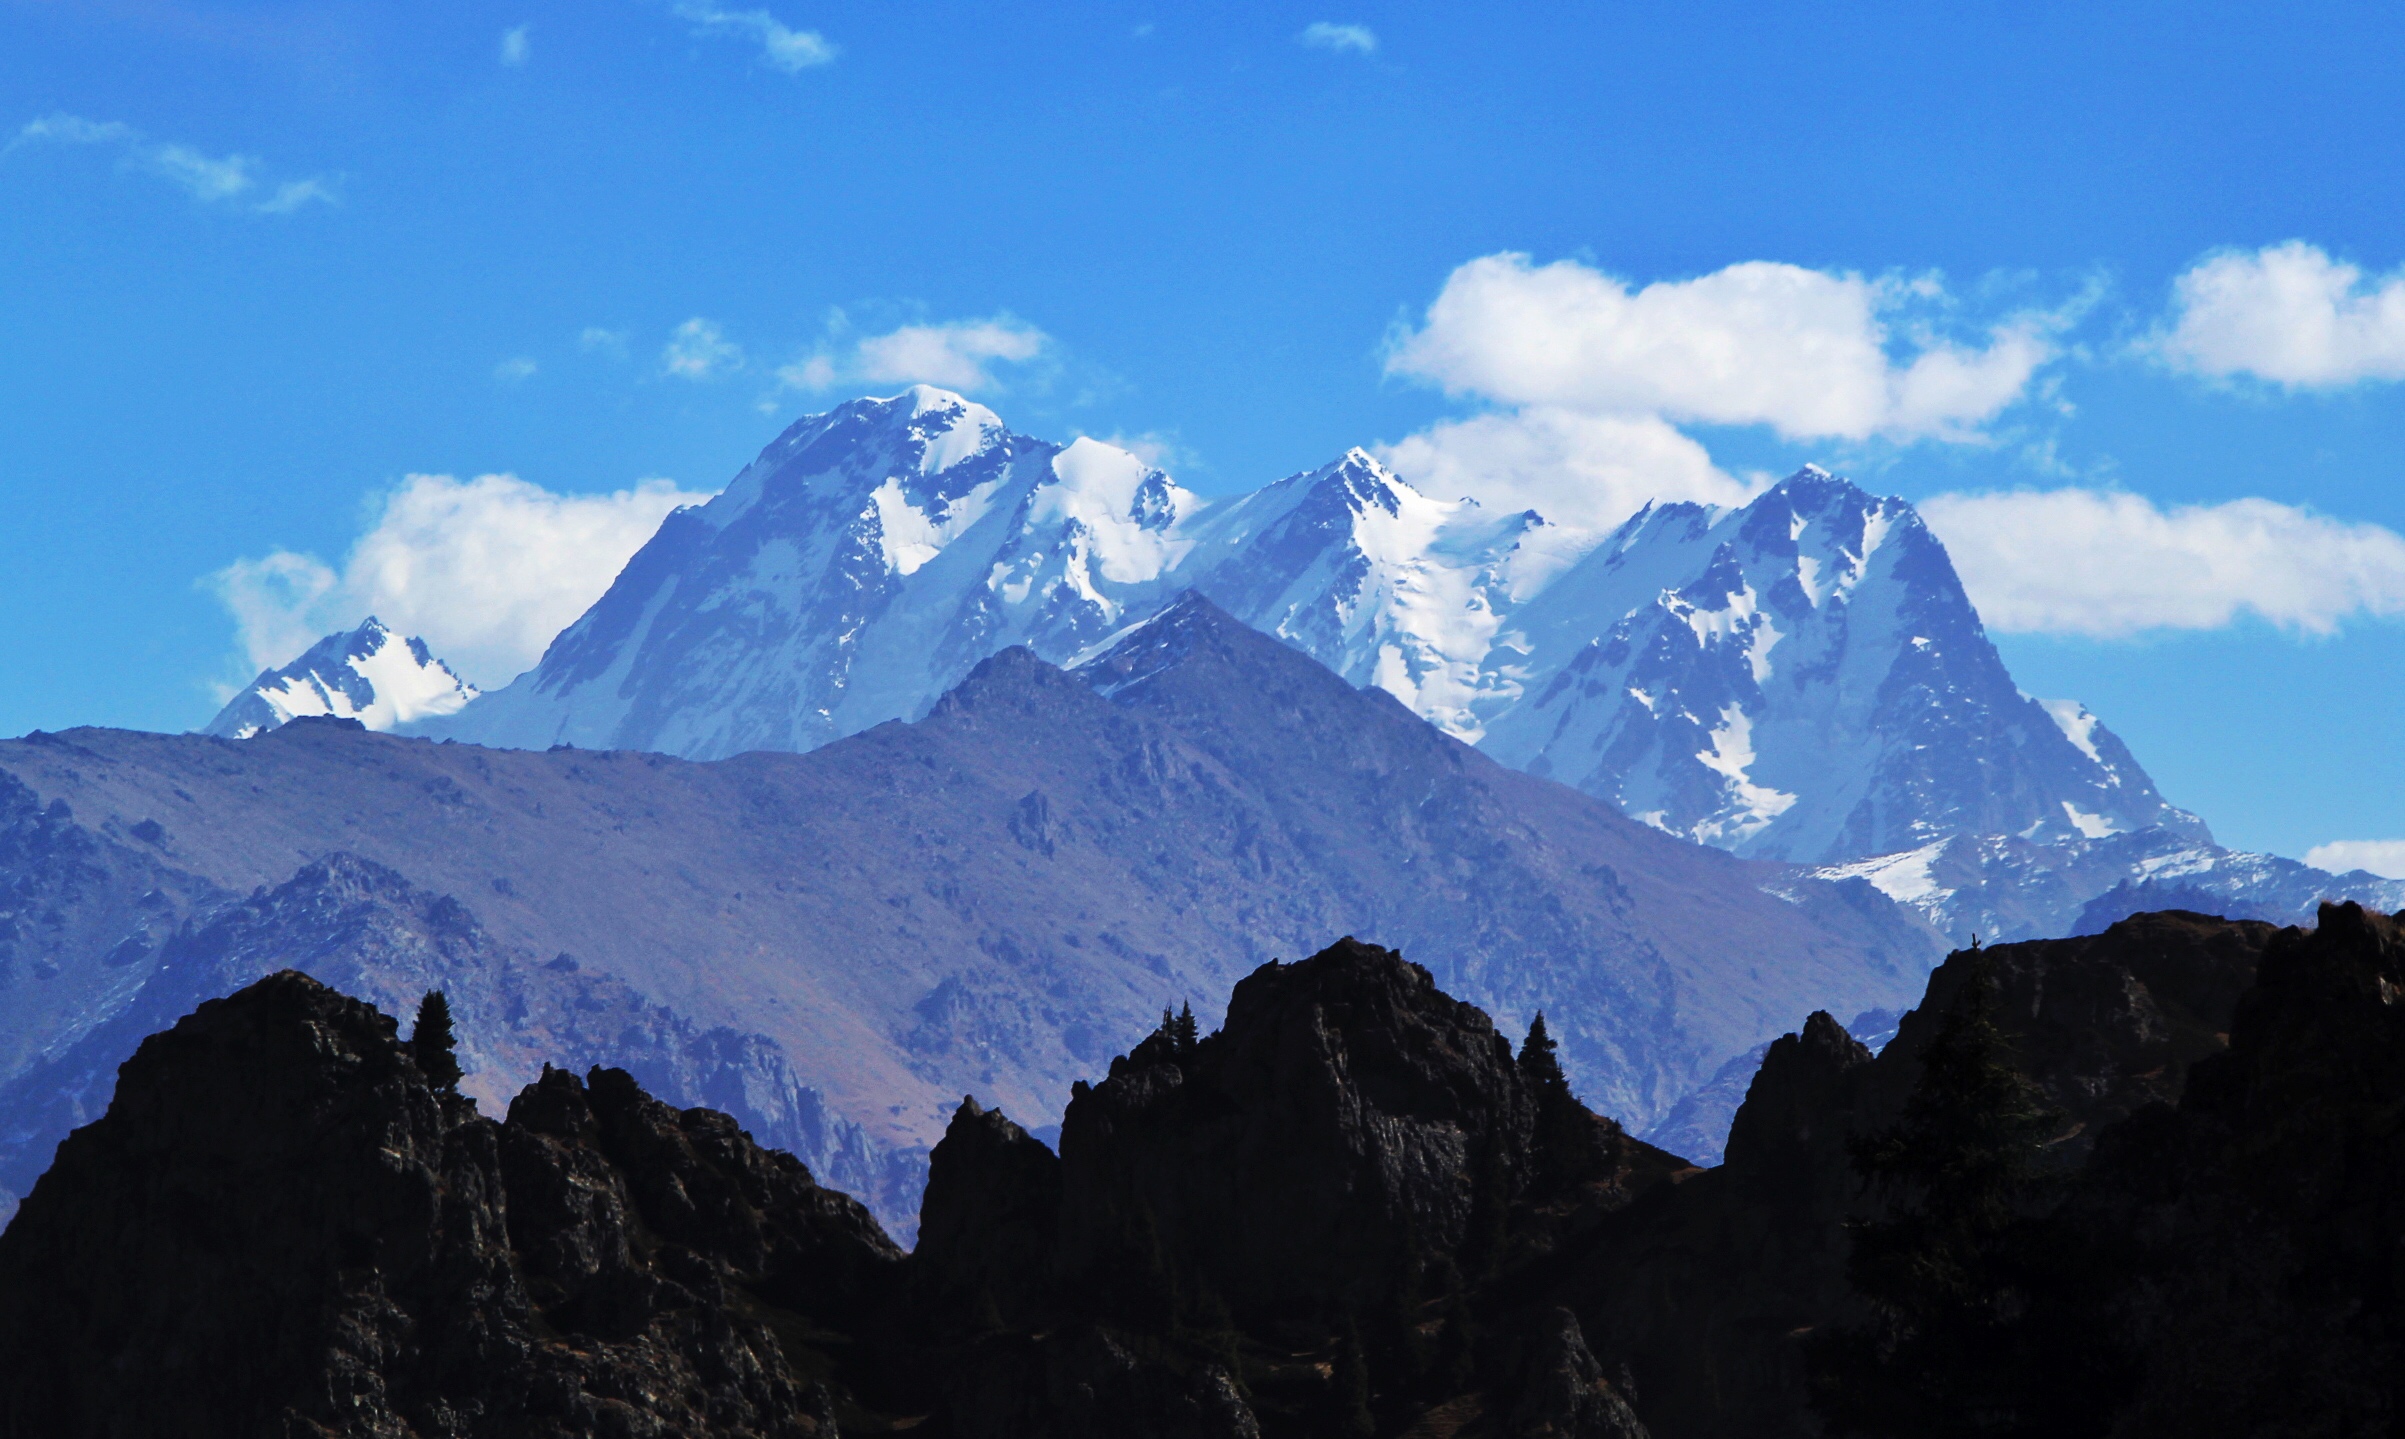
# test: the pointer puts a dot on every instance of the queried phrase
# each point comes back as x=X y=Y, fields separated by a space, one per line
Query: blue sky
x=259 y=264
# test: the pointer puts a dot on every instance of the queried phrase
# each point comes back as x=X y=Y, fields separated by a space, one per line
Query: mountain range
x=1800 y=679
x=836 y=945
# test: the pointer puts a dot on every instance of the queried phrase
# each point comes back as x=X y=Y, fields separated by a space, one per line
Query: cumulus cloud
x=230 y=180
x=514 y=369
x=514 y=44
x=1807 y=352
x=2383 y=857
x=2289 y=314
x=1580 y=470
x=595 y=337
x=2109 y=564
x=1327 y=35
x=700 y=350
x=781 y=46
x=487 y=570
x=959 y=355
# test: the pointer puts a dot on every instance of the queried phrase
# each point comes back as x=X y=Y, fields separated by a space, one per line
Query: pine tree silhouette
x=430 y=1042
x=1540 y=1065
x=1182 y=1037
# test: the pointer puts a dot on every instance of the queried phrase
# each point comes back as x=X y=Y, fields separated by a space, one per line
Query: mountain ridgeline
x=834 y=946
x=1351 y=1209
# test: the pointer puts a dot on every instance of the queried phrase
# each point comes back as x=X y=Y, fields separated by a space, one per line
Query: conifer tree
x=1540 y=1065
x=430 y=1043
x=1182 y=1037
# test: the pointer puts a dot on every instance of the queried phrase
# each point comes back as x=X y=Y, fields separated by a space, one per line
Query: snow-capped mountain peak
x=853 y=572
x=368 y=674
x=928 y=447
x=1802 y=678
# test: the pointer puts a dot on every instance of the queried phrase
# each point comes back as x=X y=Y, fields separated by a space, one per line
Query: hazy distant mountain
x=369 y=674
x=2004 y=887
x=993 y=899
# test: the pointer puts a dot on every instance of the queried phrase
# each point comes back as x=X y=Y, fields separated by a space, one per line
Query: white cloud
x=2383 y=857
x=1583 y=471
x=1327 y=35
x=514 y=369
x=782 y=46
x=2109 y=564
x=486 y=570
x=610 y=341
x=293 y=194
x=959 y=355
x=2289 y=314
x=1804 y=351
x=1160 y=450
x=700 y=350
x=227 y=180
x=514 y=44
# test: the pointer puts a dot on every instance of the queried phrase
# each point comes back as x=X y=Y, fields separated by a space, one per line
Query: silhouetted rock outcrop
x=1306 y=1223
x=1321 y=1219
x=280 y=1227
x=1709 y=1290
x=2253 y=1238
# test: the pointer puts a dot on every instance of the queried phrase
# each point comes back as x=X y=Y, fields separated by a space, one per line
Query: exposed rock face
x=988 y=1222
x=1350 y=1211
x=281 y=1227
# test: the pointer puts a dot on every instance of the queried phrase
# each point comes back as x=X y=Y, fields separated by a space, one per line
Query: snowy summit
x=369 y=674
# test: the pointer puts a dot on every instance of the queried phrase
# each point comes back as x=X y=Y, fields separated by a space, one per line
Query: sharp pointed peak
x=1815 y=488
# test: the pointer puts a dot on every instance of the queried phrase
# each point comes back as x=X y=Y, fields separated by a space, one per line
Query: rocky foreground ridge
x=1352 y=1210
